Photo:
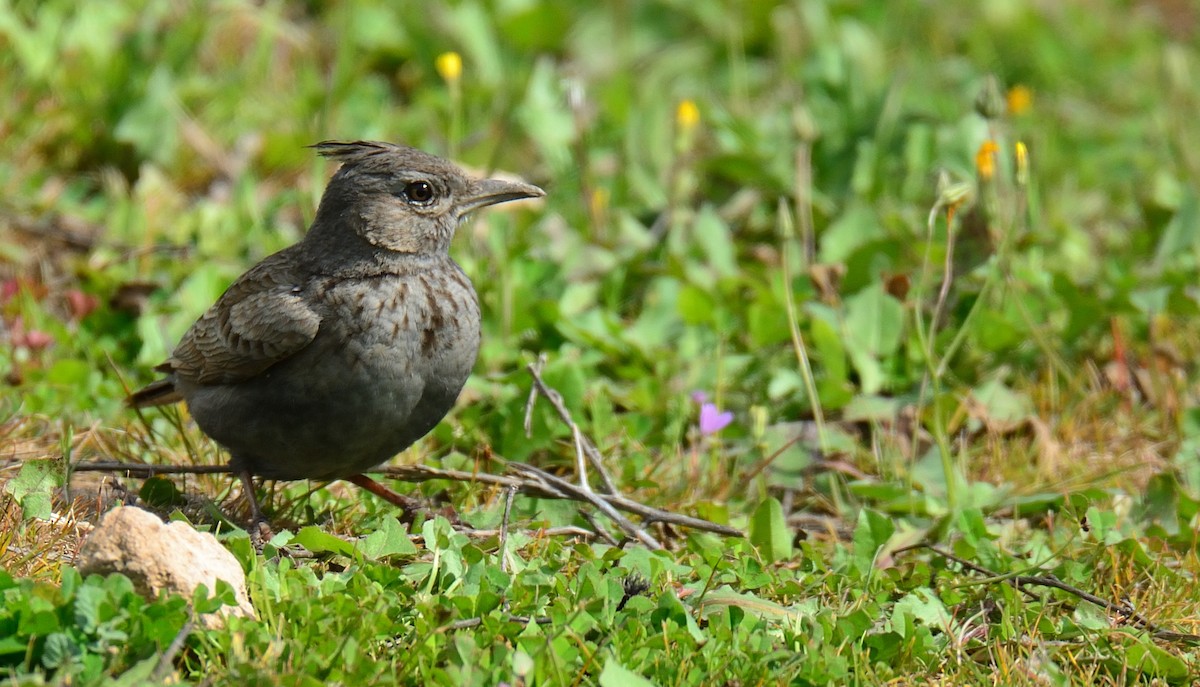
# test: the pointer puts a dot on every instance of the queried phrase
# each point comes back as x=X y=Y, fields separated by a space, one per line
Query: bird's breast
x=424 y=324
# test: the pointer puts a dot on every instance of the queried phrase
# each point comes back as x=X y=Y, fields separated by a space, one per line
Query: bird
x=338 y=352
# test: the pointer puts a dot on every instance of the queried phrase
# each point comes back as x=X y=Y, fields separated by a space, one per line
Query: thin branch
x=527 y=484
x=611 y=501
x=581 y=494
x=600 y=531
x=563 y=531
x=947 y=273
x=584 y=447
x=468 y=623
x=1123 y=610
x=166 y=661
x=532 y=400
x=508 y=501
x=144 y=470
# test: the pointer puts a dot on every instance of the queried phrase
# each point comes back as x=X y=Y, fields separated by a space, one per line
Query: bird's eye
x=419 y=192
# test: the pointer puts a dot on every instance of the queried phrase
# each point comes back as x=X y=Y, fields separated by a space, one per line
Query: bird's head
x=402 y=199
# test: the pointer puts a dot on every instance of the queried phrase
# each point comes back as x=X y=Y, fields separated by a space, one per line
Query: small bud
x=951 y=193
x=687 y=116
x=599 y=201
x=31 y=339
x=1020 y=99
x=34 y=340
x=8 y=289
x=990 y=103
x=943 y=182
x=81 y=304
x=449 y=66
x=758 y=422
x=806 y=126
x=985 y=159
x=1177 y=61
x=785 y=223
x=1022 y=163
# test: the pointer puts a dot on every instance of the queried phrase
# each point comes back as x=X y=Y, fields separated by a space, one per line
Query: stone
x=171 y=558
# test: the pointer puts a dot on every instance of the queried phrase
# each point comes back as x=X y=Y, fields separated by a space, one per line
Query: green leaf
x=204 y=602
x=857 y=226
x=1182 y=232
x=750 y=603
x=139 y=675
x=69 y=372
x=35 y=47
x=1005 y=408
x=874 y=321
x=318 y=541
x=91 y=608
x=870 y=535
x=617 y=675
x=831 y=358
x=769 y=531
x=60 y=650
x=923 y=605
x=1160 y=503
x=150 y=126
x=12 y=645
x=785 y=383
x=695 y=305
x=544 y=114
x=391 y=539
x=715 y=239
x=160 y=492
x=522 y=663
x=476 y=30
x=376 y=28
x=874 y=328
x=871 y=409
x=34 y=486
x=1146 y=657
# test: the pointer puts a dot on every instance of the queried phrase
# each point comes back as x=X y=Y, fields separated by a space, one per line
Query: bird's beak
x=486 y=192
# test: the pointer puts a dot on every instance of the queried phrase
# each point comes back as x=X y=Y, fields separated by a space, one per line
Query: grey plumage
x=333 y=355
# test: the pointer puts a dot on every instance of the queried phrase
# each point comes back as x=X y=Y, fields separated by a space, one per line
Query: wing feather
x=262 y=319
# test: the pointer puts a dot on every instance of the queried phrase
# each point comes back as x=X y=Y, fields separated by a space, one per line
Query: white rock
x=159 y=558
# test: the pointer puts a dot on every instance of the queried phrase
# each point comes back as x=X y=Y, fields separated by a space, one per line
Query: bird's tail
x=158 y=393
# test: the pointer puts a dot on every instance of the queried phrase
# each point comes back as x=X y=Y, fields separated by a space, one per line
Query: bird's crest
x=377 y=157
x=354 y=151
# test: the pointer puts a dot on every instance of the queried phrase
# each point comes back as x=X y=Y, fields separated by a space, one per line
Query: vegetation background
x=906 y=290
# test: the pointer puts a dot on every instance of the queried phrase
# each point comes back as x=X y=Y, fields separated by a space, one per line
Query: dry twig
x=529 y=484
x=585 y=451
x=1122 y=610
x=582 y=494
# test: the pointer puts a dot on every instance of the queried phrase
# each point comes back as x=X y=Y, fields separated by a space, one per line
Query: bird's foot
x=260 y=528
x=260 y=533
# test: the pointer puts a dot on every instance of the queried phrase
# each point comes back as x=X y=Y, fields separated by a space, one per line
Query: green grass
x=745 y=199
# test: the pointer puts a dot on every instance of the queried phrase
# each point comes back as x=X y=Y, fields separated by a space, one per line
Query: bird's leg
x=260 y=529
x=409 y=505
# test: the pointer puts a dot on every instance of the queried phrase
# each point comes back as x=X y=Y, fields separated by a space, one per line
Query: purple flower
x=713 y=420
x=699 y=396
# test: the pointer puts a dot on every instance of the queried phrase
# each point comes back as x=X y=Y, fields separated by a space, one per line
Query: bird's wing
x=262 y=319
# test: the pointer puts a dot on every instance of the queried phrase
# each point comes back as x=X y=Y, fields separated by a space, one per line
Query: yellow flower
x=1020 y=99
x=1022 y=163
x=985 y=159
x=449 y=66
x=599 y=201
x=687 y=115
